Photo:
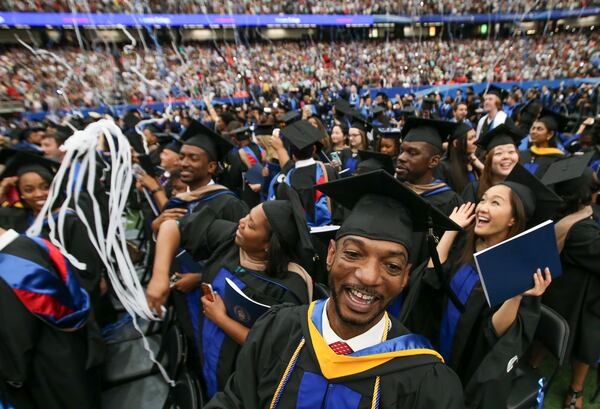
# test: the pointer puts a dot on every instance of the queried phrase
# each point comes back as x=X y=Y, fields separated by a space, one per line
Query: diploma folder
x=507 y=268
x=240 y=307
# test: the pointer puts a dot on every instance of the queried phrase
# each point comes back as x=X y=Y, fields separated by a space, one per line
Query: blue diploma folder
x=240 y=307
x=507 y=268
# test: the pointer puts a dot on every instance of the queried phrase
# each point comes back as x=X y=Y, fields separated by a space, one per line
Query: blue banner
x=448 y=89
x=175 y=20
x=11 y=19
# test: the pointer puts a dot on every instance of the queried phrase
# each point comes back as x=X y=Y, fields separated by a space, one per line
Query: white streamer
x=79 y=168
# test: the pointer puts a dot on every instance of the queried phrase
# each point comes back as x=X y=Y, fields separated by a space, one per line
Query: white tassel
x=79 y=168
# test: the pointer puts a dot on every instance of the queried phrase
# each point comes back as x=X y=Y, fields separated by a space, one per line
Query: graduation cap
x=376 y=110
x=205 y=138
x=497 y=91
x=171 y=143
x=153 y=128
x=432 y=131
x=383 y=208
x=290 y=117
x=408 y=111
x=428 y=103
x=360 y=122
x=503 y=134
x=261 y=129
x=390 y=133
x=288 y=221
x=18 y=162
x=343 y=107
x=301 y=134
x=241 y=134
x=371 y=161
x=570 y=175
x=553 y=121
x=540 y=203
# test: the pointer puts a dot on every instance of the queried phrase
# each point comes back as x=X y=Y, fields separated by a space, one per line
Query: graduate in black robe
x=201 y=151
x=43 y=341
x=482 y=343
x=246 y=158
x=263 y=255
x=304 y=172
x=575 y=294
x=543 y=136
x=289 y=359
x=420 y=154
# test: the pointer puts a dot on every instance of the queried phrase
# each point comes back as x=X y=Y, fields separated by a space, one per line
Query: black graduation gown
x=485 y=363
x=225 y=207
x=576 y=293
x=538 y=164
x=416 y=381
x=232 y=177
x=207 y=238
x=445 y=201
x=15 y=218
x=40 y=366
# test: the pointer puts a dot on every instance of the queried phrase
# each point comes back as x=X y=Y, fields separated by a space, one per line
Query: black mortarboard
x=18 y=162
x=382 y=208
x=503 y=134
x=171 y=143
x=539 y=201
x=301 y=134
x=377 y=109
x=288 y=221
x=263 y=130
x=391 y=133
x=371 y=161
x=205 y=138
x=497 y=91
x=343 y=107
x=360 y=122
x=570 y=174
x=290 y=117
x=241 y=134
x=428 y=103
x=427 y=130
x=408 y=111
x=153 y=128
x=553 y=121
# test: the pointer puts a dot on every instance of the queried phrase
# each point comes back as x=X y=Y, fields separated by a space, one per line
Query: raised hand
x=463 y=215
x=540 y=283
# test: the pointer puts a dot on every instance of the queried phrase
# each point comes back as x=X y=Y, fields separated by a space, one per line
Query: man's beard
x=349 y=321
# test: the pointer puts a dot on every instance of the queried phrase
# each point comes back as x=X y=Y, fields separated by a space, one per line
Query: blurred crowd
x=87 y=78
x=409 y=7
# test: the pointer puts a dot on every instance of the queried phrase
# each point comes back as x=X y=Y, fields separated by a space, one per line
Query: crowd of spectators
x=405 y=7
x=78 y=77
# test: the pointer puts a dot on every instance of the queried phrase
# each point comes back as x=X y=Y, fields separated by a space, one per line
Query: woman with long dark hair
x=482 y=343
x=265 y=255
x=501 y=157
x=575 y=294
x=460 y=166
x=543 y=137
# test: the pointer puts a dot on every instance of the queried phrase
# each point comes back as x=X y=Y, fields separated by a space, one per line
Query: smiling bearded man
x=346 y=351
